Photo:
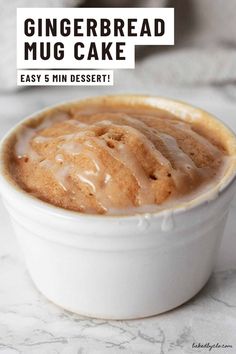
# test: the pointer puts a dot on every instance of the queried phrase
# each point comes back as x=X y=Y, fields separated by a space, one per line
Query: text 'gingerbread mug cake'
x=110 y=158
x=120 y=202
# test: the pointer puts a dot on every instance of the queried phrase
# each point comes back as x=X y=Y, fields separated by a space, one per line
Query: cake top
x=115 y=161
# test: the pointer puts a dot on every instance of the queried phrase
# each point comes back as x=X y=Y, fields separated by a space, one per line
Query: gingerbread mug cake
x=119 y=202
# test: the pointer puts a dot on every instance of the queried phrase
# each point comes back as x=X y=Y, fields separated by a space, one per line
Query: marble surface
x=30 y=324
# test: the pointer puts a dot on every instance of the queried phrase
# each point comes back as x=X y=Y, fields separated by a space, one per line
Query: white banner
x=89 y=38
x=64 y=77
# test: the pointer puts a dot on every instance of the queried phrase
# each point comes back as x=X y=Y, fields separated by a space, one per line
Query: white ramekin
x=122 y=267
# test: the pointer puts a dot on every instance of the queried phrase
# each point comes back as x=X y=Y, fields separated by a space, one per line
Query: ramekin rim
x=71 y=214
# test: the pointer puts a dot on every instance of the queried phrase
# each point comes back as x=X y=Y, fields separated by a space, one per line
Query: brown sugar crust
x=98 y=162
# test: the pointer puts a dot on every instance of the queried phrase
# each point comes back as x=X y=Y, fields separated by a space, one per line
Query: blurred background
x=199 y=68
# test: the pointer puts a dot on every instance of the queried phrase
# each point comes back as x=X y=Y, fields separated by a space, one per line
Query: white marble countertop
x=30 y=324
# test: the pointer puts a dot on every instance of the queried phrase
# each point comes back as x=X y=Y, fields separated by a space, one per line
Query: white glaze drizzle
x=97 y=178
